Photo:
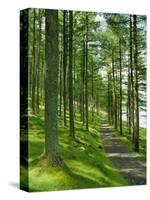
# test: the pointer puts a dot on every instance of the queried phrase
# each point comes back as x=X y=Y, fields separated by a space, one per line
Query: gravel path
x=133 y=169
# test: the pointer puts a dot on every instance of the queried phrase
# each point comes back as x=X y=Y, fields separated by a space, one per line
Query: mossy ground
x=85 y=163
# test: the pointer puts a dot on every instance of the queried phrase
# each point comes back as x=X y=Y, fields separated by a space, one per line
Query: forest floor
x=95 y=158
x=129 y=164
x=86 y=163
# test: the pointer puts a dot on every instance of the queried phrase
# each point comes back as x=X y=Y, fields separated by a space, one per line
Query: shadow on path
x=133 y=169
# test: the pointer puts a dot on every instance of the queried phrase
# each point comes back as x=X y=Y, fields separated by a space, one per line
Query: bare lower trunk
x=51 y=87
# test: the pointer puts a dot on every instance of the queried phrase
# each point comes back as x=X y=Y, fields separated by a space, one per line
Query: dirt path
x=133 y=169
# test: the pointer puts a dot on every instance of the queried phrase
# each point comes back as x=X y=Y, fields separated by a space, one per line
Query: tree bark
x=51 y=87
x=64 y=65
x=136 y=123
x=33 y=65
x=109 y=98
x=83 y=80
x=114 y=91
x=71 y=111
x=132 y=81
x=129 y=100
x=116 y=98
x=120 y=58
x=60 y=83
x=86 y=73
x=92 y=94
x=38 y=65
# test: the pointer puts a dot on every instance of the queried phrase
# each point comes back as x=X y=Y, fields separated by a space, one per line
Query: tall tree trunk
x=51 y=87
x=86 y=73
x=129 y=100
x=33 y=66
x=38 y=66
x=116 y=98
x=83 y=80
x=64 y=65
x=60 y=83
x=30 y=78
x=71 y=112
x=92 y=94
x=78 y=91
x=42 y=80
x=81 y=93
x=114 y=91
x=136 y=123
x=132 y=82
x=120 y=58
x=109 y=99
x=75 y=95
